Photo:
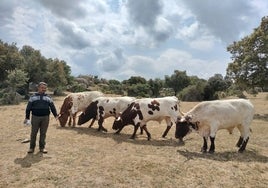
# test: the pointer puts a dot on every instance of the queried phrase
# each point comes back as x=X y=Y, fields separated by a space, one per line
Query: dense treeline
x=22 y=68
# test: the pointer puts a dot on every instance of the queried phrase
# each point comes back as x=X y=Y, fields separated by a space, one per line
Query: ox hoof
x=181 y=143
x=211 y=152
x=203 y=150
x=240 y=151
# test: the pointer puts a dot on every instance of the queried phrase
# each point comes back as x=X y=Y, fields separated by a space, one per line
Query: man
x=40 y=104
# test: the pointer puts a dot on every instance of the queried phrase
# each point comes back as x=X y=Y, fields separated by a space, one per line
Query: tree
x=10 y=59
x=137 y=86
x=215 y=84
x=139 y=90
x=16 y=79
x=115 y=87
x=34 y=64
x=136 y=80
x=249 y=68
x=177 y=81
x=56 y=75
x=156 y=85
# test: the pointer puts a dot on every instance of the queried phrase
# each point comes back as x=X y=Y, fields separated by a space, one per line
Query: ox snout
x=182 y=129
x=81 y=120
x=63 y=119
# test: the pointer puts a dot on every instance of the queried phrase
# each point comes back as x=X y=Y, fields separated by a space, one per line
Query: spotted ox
x=104 y=107
x=74 y=103
x=143 y=110
x=208 y=117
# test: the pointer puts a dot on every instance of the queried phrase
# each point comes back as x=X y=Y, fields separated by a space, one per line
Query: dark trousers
x=39 y=123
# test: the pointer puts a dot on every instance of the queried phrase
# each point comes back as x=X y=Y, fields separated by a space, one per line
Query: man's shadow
x=29 y=159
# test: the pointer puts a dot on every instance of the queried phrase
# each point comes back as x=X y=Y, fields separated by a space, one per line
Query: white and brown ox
x=208 y=117
x=143 y=110
x=74 y=103
x=104 y=107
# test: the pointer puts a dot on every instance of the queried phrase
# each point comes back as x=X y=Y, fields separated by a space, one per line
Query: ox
x=104 y=107
x=143 y=110
x=74 y=103
x=208 y=117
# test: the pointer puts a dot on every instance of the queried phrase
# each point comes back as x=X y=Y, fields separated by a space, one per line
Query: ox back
x=147 y=109
x=104 y=107
x=76 y=102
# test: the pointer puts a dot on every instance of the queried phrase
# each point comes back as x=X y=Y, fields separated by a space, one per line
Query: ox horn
x=79 y=114
x=182 y=113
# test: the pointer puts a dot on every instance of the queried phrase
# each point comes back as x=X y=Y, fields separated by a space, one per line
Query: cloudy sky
x=116 y=39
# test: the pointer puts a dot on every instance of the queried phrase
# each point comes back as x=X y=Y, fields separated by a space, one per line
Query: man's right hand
x=27 y=122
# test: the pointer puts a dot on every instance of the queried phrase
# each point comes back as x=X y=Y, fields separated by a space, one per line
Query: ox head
x=185 y=126
x=89 y=113
x=118 y=123
x=64 y=111
x=125 y=118
x=63 y=118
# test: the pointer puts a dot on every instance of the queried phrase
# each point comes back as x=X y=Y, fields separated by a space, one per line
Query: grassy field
x=83 y=157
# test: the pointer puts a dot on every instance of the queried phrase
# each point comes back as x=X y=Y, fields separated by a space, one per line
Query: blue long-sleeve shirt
x=40 y=105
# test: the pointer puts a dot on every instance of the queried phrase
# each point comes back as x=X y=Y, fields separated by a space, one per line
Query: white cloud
x=120 y=38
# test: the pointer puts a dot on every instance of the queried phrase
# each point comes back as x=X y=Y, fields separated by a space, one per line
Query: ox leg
x=135 y=131
x=141 y=130
x=147 y=132
x=212 y=145
x=70 y=121
x=238 y=144
x=166 y=131
x=100 y=122
x=243 y=146
x=205 y=145
x=74 y=119
x=119 y=130
x=91 y=124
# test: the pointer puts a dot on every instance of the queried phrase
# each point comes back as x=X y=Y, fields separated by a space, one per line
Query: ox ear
x=195 y=125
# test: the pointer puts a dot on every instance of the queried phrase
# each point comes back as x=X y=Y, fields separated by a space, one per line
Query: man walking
x=40 y=104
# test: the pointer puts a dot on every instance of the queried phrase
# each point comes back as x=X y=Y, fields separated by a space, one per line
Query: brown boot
x=43 y=150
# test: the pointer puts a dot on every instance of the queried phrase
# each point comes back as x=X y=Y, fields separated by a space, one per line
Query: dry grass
x=82 y=157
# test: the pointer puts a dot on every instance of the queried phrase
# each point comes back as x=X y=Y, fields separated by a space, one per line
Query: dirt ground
x=83 y=157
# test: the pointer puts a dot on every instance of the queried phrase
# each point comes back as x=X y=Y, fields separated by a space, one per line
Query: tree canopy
x=249 y=68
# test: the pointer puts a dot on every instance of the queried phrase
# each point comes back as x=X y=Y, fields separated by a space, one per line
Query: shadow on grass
x=246 y=156
x=29 y=159
x=123 y=137
x=263 y=117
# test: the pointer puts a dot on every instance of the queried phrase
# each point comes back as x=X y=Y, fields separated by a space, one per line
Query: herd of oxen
x=206 y=118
